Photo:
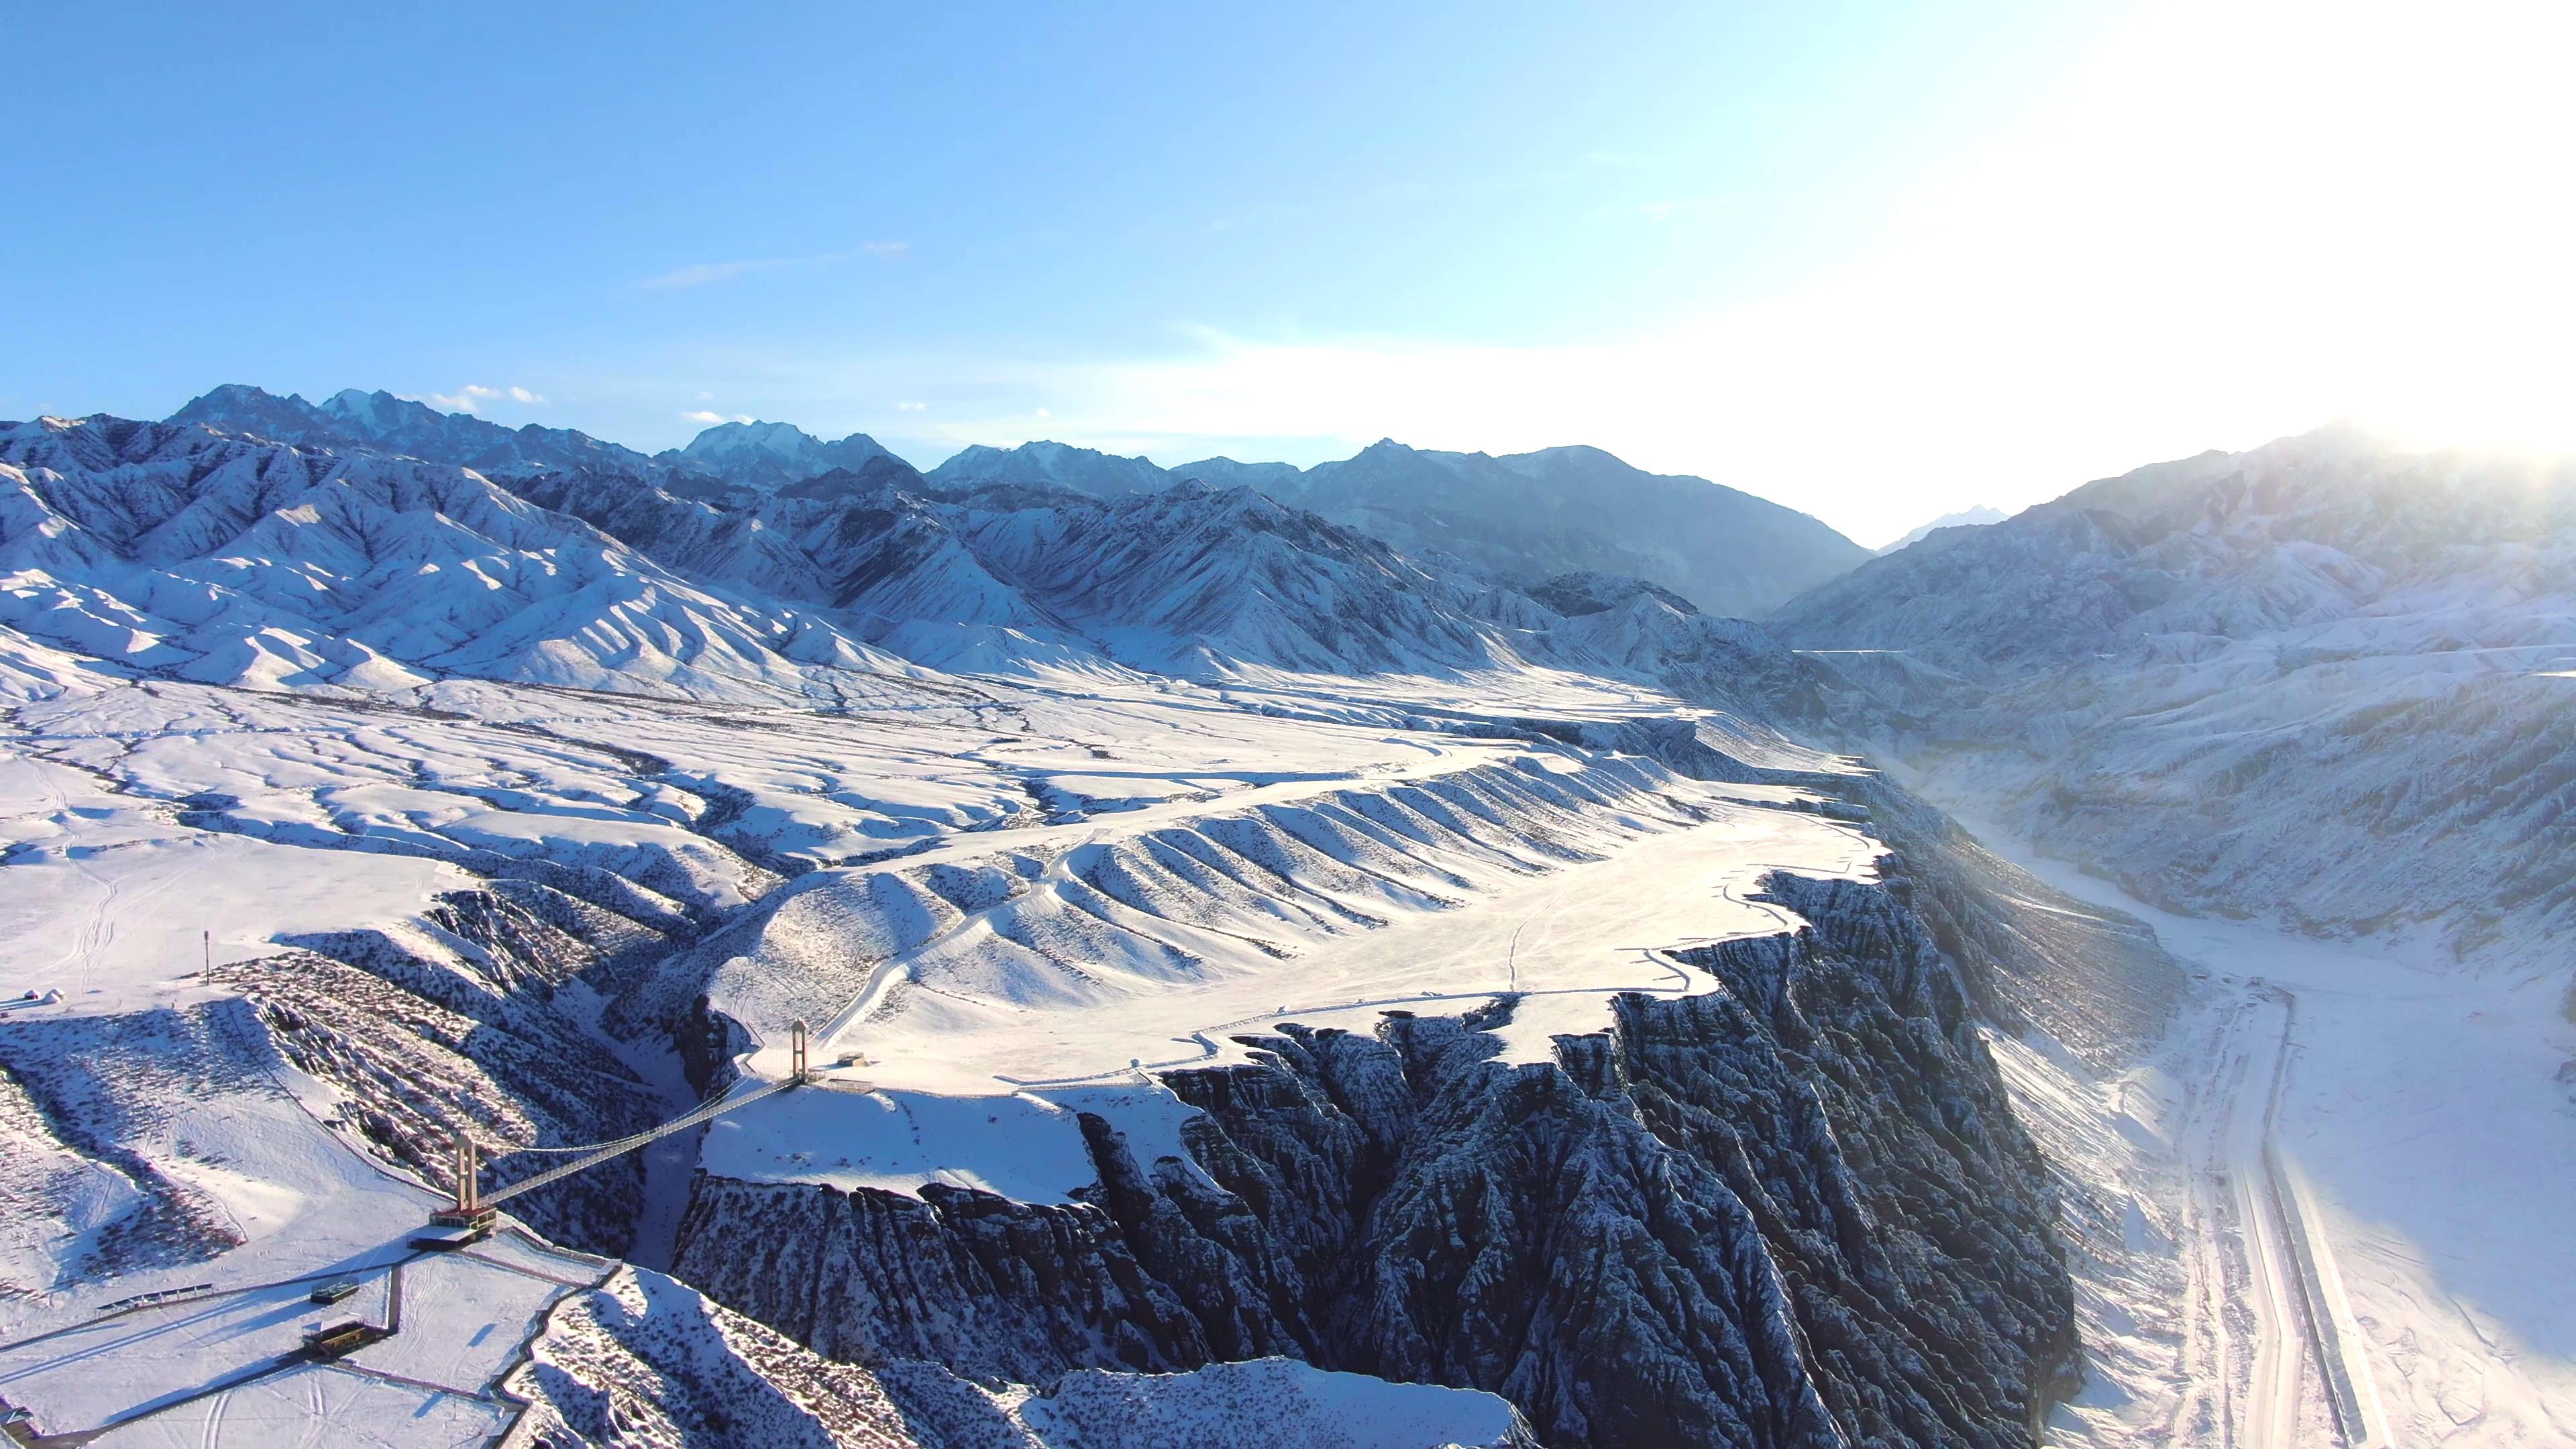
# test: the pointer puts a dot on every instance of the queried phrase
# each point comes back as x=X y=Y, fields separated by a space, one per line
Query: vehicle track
x=2251 y=1260
x=2204 y=1412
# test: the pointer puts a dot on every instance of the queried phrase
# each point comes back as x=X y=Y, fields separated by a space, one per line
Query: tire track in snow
x=2241 y=1197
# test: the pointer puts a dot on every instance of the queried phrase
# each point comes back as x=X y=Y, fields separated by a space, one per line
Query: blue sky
x=1877 y=261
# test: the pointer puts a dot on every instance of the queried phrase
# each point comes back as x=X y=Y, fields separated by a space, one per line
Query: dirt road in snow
x=2264 y=1362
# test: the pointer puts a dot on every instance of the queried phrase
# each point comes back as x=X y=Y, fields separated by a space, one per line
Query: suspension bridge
x=474 y=1209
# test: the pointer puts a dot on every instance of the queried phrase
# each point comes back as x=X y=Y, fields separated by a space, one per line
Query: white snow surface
x=990 y=994
x=149 y=823
x=666 y=1366
x=2421 y=1145
x=1292 y=1402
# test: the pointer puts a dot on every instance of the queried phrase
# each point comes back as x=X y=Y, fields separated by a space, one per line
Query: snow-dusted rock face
x=1788 y=1204
x=1231 y=574
x=227 y=560
x=1630 y=625
x=1187 y=580
x=2324 y=682
x=643 y=1360
x=1792 y=1209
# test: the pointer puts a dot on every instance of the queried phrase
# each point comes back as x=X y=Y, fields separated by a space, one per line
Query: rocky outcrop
x=1794 y=1210
x=646 y=1362
x=2029 y=955
x=457 y=1030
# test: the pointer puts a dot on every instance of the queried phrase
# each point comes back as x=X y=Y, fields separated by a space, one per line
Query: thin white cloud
x=474 y=396
x=912 y=407
x=699 y=274
x=712 y=419
x=1666 y=210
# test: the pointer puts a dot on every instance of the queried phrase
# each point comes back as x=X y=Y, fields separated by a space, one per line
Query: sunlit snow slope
x=2325 y=682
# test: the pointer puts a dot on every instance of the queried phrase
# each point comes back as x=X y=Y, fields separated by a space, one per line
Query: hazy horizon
x=1872 y=264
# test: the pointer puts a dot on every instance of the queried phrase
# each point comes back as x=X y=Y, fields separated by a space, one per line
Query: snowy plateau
x=1367 y=956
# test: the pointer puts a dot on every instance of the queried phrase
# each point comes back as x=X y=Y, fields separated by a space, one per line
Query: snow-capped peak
x=769 y=456
x=731 y=440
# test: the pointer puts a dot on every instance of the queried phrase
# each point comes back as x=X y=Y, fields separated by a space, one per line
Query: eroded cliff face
x=1795 y=1210
x=461 y=1027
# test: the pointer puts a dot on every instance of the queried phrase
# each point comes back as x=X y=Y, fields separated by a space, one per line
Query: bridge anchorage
x=472 y=1216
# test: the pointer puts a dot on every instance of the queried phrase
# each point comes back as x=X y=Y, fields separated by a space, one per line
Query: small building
x=340 y=1339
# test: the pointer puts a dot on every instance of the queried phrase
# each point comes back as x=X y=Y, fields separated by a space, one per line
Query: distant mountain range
x=1976 y=517
x=207 y=551
x=2330 y=672
x=1516 y=519
x=1512 y=520
x=383 y=423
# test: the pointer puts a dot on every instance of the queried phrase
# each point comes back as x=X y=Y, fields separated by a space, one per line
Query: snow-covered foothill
x=2320 y=683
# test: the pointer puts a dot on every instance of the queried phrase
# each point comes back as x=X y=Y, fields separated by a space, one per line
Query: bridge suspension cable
x=470 y=1200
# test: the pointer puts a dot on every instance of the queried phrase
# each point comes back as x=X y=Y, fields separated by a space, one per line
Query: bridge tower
x=467 y=1169
x=468 y=1211
x=796 y=1051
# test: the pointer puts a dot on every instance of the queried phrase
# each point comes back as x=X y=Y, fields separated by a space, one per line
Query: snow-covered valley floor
x=2424 y=1147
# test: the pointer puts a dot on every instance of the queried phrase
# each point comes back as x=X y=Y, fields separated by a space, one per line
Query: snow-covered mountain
x=211 y=556
x=1053 y=465
x=1520 y=518
x=1516 y=519
x=2276 y=683
x=379 y=422
x=1976 y=517
x=1187 y=580
x=760 y=457
x=769 y=456
x=1530 y=515
x=184 y=551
